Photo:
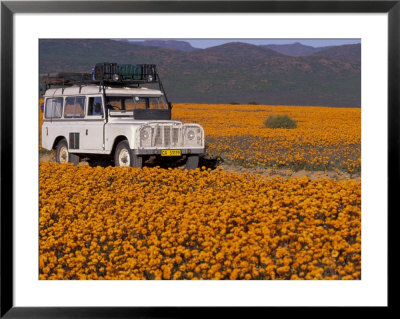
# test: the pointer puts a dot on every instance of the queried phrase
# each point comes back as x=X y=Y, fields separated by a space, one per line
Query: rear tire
x=124 y=156
x=63 y=155
x=192 y=162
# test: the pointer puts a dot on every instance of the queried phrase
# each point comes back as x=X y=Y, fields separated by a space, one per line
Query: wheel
x=63 y=155
x=192 y=162
x=124 y=156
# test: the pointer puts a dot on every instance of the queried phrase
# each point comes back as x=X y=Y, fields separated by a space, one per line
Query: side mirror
x=169 y=105
x=42 y=107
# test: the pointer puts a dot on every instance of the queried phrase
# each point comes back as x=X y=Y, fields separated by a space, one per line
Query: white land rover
x=108 y=112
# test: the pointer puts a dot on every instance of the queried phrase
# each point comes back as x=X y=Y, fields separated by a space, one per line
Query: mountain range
x=230 y=73
x=168 y=44
x=294 y=49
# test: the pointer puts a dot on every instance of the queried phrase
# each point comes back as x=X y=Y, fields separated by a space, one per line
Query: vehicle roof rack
x=107 y=74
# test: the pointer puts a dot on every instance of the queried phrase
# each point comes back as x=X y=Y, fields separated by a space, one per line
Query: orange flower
x=233 y=225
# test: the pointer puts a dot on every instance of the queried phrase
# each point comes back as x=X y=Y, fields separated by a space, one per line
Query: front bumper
x=185 y=151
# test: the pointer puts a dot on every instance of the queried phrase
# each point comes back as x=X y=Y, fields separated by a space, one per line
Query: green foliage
x=280 y=121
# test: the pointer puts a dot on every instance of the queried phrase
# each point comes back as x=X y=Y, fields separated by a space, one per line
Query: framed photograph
x=158 y=156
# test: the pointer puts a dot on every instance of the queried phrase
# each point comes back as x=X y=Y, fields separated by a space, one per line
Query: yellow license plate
x=171 y=153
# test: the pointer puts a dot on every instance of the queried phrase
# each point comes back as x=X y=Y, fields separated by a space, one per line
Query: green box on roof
x=130 y=71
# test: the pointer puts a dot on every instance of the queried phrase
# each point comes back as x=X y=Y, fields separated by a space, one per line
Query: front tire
x=124 y=156
x=192 y=162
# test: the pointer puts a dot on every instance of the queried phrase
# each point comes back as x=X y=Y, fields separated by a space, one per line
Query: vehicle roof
x=96 y=89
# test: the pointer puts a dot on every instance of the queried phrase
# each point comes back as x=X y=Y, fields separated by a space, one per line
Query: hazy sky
x=312 y=42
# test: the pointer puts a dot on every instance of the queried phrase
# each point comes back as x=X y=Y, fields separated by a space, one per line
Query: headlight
x=144 y=135
x=193 y=135
x=190 y=135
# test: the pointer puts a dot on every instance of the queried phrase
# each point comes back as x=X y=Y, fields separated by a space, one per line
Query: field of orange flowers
x=152 y=223
x=325 y=138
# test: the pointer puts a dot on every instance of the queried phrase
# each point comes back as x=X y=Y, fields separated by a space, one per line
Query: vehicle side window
x=75 y=106
x=53 y=108
x=95 y=106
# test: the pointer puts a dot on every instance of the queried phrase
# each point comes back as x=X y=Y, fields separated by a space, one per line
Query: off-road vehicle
x=109 y=112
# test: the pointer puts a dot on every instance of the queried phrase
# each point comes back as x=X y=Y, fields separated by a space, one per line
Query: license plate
x=171 y=153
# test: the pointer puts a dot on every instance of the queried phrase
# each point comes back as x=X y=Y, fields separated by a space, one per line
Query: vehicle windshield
x=135 y=102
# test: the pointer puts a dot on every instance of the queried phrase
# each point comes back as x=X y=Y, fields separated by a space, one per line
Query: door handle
x=86 y=131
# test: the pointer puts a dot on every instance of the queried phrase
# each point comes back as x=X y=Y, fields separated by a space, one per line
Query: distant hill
x=239 y=49
x=294 y=49
x=167 y=44
x=344 y=52
x=233 y=72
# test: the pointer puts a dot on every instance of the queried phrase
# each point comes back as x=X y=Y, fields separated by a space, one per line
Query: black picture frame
x=9 y=8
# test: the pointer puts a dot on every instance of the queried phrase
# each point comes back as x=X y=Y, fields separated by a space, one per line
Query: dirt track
x=287 y=173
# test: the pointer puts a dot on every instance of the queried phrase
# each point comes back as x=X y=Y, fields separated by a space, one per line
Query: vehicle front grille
x=166 y=136
x=175 y=135
x=158 y=138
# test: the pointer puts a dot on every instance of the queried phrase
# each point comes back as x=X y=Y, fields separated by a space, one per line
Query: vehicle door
x=74 y=121
x=93 y=137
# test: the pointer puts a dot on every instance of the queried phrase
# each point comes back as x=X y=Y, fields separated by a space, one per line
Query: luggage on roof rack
x=107 y=74
x=125 y=73
x=65 y=78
